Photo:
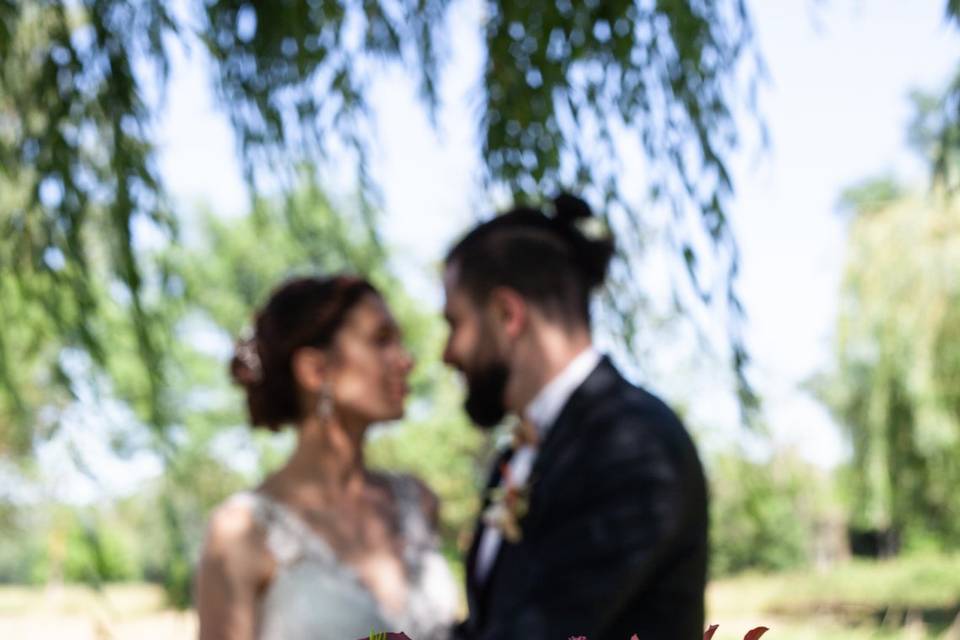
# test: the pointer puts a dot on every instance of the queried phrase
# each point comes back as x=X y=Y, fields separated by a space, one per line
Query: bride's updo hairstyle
x=548 y=259
x=303 y=312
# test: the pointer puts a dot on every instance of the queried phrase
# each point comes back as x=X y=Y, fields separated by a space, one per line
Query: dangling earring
x=325 y=404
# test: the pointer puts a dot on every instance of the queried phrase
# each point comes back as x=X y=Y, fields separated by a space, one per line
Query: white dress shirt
x=542 y=411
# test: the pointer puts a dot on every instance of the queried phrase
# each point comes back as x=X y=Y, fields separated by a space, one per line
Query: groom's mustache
x=485 y=387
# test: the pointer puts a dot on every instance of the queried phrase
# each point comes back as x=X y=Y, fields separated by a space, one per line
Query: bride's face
x=369 y=366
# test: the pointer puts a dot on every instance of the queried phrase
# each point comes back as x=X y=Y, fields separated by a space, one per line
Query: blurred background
x=780 y=177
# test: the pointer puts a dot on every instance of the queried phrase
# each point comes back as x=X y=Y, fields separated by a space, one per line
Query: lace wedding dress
x=313 y=596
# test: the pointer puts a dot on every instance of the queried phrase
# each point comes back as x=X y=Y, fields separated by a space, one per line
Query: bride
x=325 y=548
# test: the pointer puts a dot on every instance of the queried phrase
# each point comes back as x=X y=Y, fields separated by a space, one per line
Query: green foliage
x=96 y=553
x=763 y=515
x=71 y=544
x=80 y=187
x=234 y=263
x=80 y=196
x=77 y=163
x=894 y=385
x=871 y=195
x=22 y=553
x=28 y=347
x=935 y=130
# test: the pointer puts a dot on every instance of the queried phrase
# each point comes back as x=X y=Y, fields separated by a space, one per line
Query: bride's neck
x=328 y=460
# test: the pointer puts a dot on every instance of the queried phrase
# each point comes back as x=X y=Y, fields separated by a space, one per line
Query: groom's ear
x=510 y=310
x=310 y=368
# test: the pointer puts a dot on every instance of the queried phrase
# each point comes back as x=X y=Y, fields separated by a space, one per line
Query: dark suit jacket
x=615 y=538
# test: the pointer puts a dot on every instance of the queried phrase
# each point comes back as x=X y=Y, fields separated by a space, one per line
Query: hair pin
x=248 y=354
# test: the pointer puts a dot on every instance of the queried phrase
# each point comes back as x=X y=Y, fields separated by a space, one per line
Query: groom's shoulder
x=624 y=404
x=630 y=418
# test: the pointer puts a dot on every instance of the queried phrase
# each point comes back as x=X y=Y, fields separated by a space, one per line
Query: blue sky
x=836 y=107
x=837 y=111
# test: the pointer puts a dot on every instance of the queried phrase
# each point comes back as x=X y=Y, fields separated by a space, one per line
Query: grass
x=916 y=598
x=115 y=600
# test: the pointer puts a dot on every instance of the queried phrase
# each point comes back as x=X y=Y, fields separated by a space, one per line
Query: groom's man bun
x=548 y=259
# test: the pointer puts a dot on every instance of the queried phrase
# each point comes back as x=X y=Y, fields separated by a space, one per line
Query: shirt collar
x=545 y=407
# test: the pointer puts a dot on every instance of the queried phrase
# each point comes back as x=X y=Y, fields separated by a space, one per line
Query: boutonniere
x=525 y=433
x=508 y=505
x=509 y=501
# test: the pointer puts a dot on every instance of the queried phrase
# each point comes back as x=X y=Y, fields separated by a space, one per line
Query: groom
x=595 y=520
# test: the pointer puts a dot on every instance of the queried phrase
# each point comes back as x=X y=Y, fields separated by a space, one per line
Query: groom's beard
x=485 y=388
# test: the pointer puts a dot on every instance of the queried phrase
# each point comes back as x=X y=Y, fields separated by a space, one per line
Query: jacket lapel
x=567 y=423
x=566 y=429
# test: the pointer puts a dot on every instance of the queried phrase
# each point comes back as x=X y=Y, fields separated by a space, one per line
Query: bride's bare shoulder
x=235 y=537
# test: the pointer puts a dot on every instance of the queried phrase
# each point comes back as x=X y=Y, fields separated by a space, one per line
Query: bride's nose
x=407 y=360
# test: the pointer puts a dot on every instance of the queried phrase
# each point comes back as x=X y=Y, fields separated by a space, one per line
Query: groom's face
x=472 y=348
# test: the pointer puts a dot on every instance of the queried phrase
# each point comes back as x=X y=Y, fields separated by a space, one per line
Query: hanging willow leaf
x=562 y=82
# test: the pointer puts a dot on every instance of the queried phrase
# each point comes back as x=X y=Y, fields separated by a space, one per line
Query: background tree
x=897 y=370
x=565 y=86
x=937 y=125
x=765 y=516
x=894 y=385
